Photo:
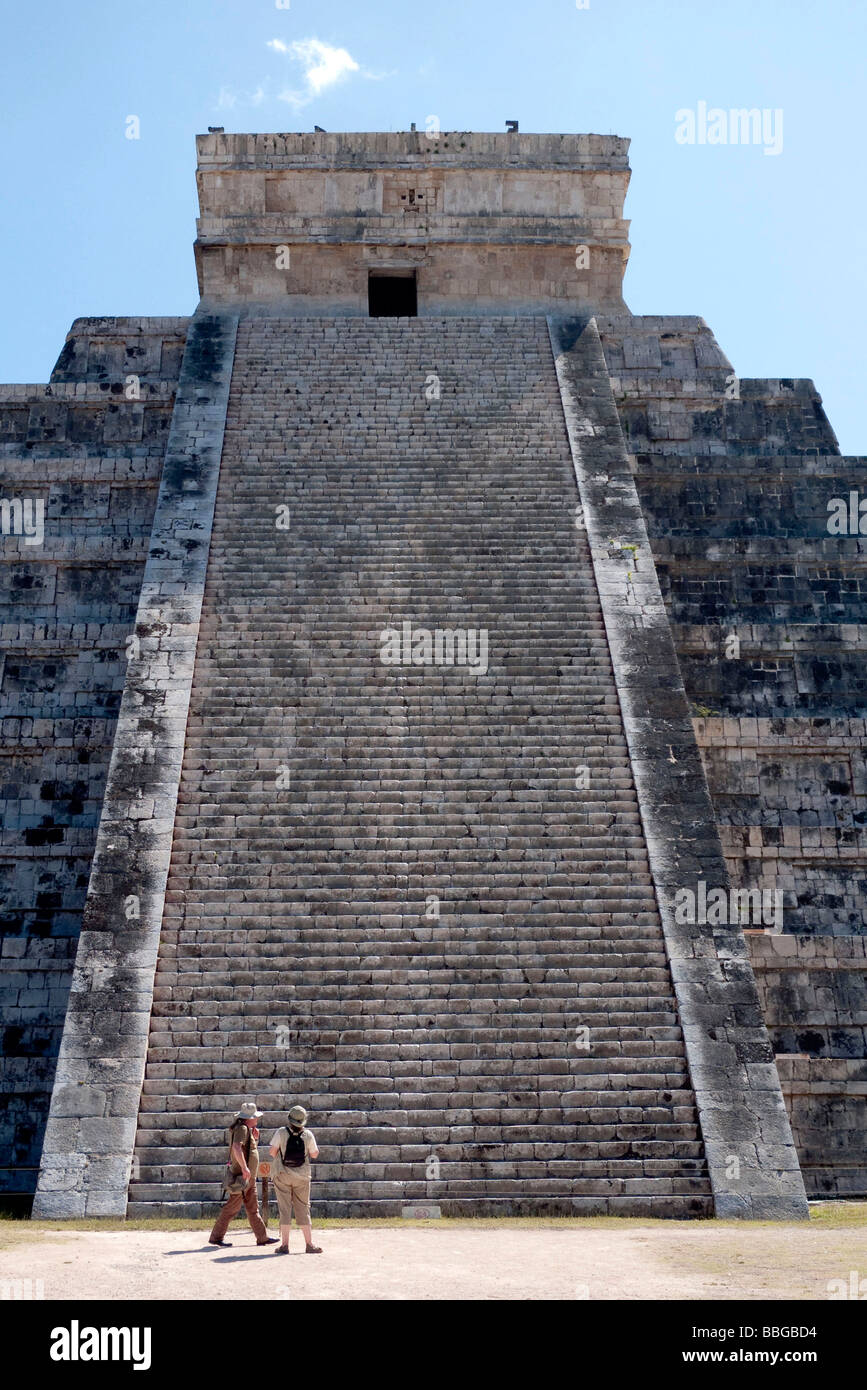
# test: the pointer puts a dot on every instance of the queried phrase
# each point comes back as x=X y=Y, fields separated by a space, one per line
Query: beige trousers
x=292 y=1187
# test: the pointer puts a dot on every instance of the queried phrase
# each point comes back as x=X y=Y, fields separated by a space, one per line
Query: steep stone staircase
x=520 y=1051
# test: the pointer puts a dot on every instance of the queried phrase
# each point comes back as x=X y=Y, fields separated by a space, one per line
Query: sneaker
x=282 y=1250
x=223 y=1244
x=271 y=1240
x=313 y=1250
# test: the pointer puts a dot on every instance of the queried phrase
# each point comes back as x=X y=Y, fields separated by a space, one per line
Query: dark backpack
x=294 y=1152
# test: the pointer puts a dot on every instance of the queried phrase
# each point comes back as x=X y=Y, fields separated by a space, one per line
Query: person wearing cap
x=244 y=1165
x=292 y=1148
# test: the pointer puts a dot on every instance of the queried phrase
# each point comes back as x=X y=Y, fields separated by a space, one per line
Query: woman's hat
x=248 y=1111
x=298 y=1115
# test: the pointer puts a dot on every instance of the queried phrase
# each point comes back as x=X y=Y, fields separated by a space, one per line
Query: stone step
x=615 y=995
x=376 y=1149
x=346 y=969
x=649 y=1206
x=378 y=1180
x=176 y=1071
x=482 y=1186
x=304 y=907
x=520 y=1107
x=549 y=1036
x=422 y=1076
x=535 y=932
x=587 y=1161
x=323 y=954
x=177 y=1016
x=609 y=1121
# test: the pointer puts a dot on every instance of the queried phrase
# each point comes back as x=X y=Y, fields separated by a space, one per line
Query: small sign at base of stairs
x=421 y=1213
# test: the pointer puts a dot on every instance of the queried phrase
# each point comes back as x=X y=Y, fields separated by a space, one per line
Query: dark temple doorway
x=392 y=296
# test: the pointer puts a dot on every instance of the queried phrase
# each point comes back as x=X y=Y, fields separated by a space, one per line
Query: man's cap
x=248 y=1111
x=298 y=1115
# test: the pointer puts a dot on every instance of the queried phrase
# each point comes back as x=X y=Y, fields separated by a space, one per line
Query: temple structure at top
x=412 y=224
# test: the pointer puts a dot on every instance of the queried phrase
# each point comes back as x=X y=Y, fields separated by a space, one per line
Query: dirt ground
x=579 y=1259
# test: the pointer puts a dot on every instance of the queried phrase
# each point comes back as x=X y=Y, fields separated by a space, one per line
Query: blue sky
x=770 y=249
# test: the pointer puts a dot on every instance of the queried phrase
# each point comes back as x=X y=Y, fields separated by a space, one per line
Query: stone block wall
x=489 y=224
x=92 y=457
x=766 y=608
x=791 y=805
x=814 y=998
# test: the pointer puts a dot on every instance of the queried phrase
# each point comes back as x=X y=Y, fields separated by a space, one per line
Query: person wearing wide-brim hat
x=240 y=1182
x=292 y=1148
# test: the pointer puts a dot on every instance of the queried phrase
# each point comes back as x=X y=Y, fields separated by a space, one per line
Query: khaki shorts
x=292 y=1187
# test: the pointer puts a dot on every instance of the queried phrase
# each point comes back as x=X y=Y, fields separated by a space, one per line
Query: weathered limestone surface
x=791 y=802
x=328 y=798
x=489 y=224
x=747 y=1139
x=92 y=459
x=766 y=608
x=814 y=999
x=89 y=1137
x=733 y=478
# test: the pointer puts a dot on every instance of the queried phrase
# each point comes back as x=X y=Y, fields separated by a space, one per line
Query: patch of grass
x=16 y=1232
x=204 y=1223
x=832 y=1215
x=828 y=1215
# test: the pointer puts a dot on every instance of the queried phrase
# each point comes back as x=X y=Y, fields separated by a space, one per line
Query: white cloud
x=229 y=98
x=324 y=66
